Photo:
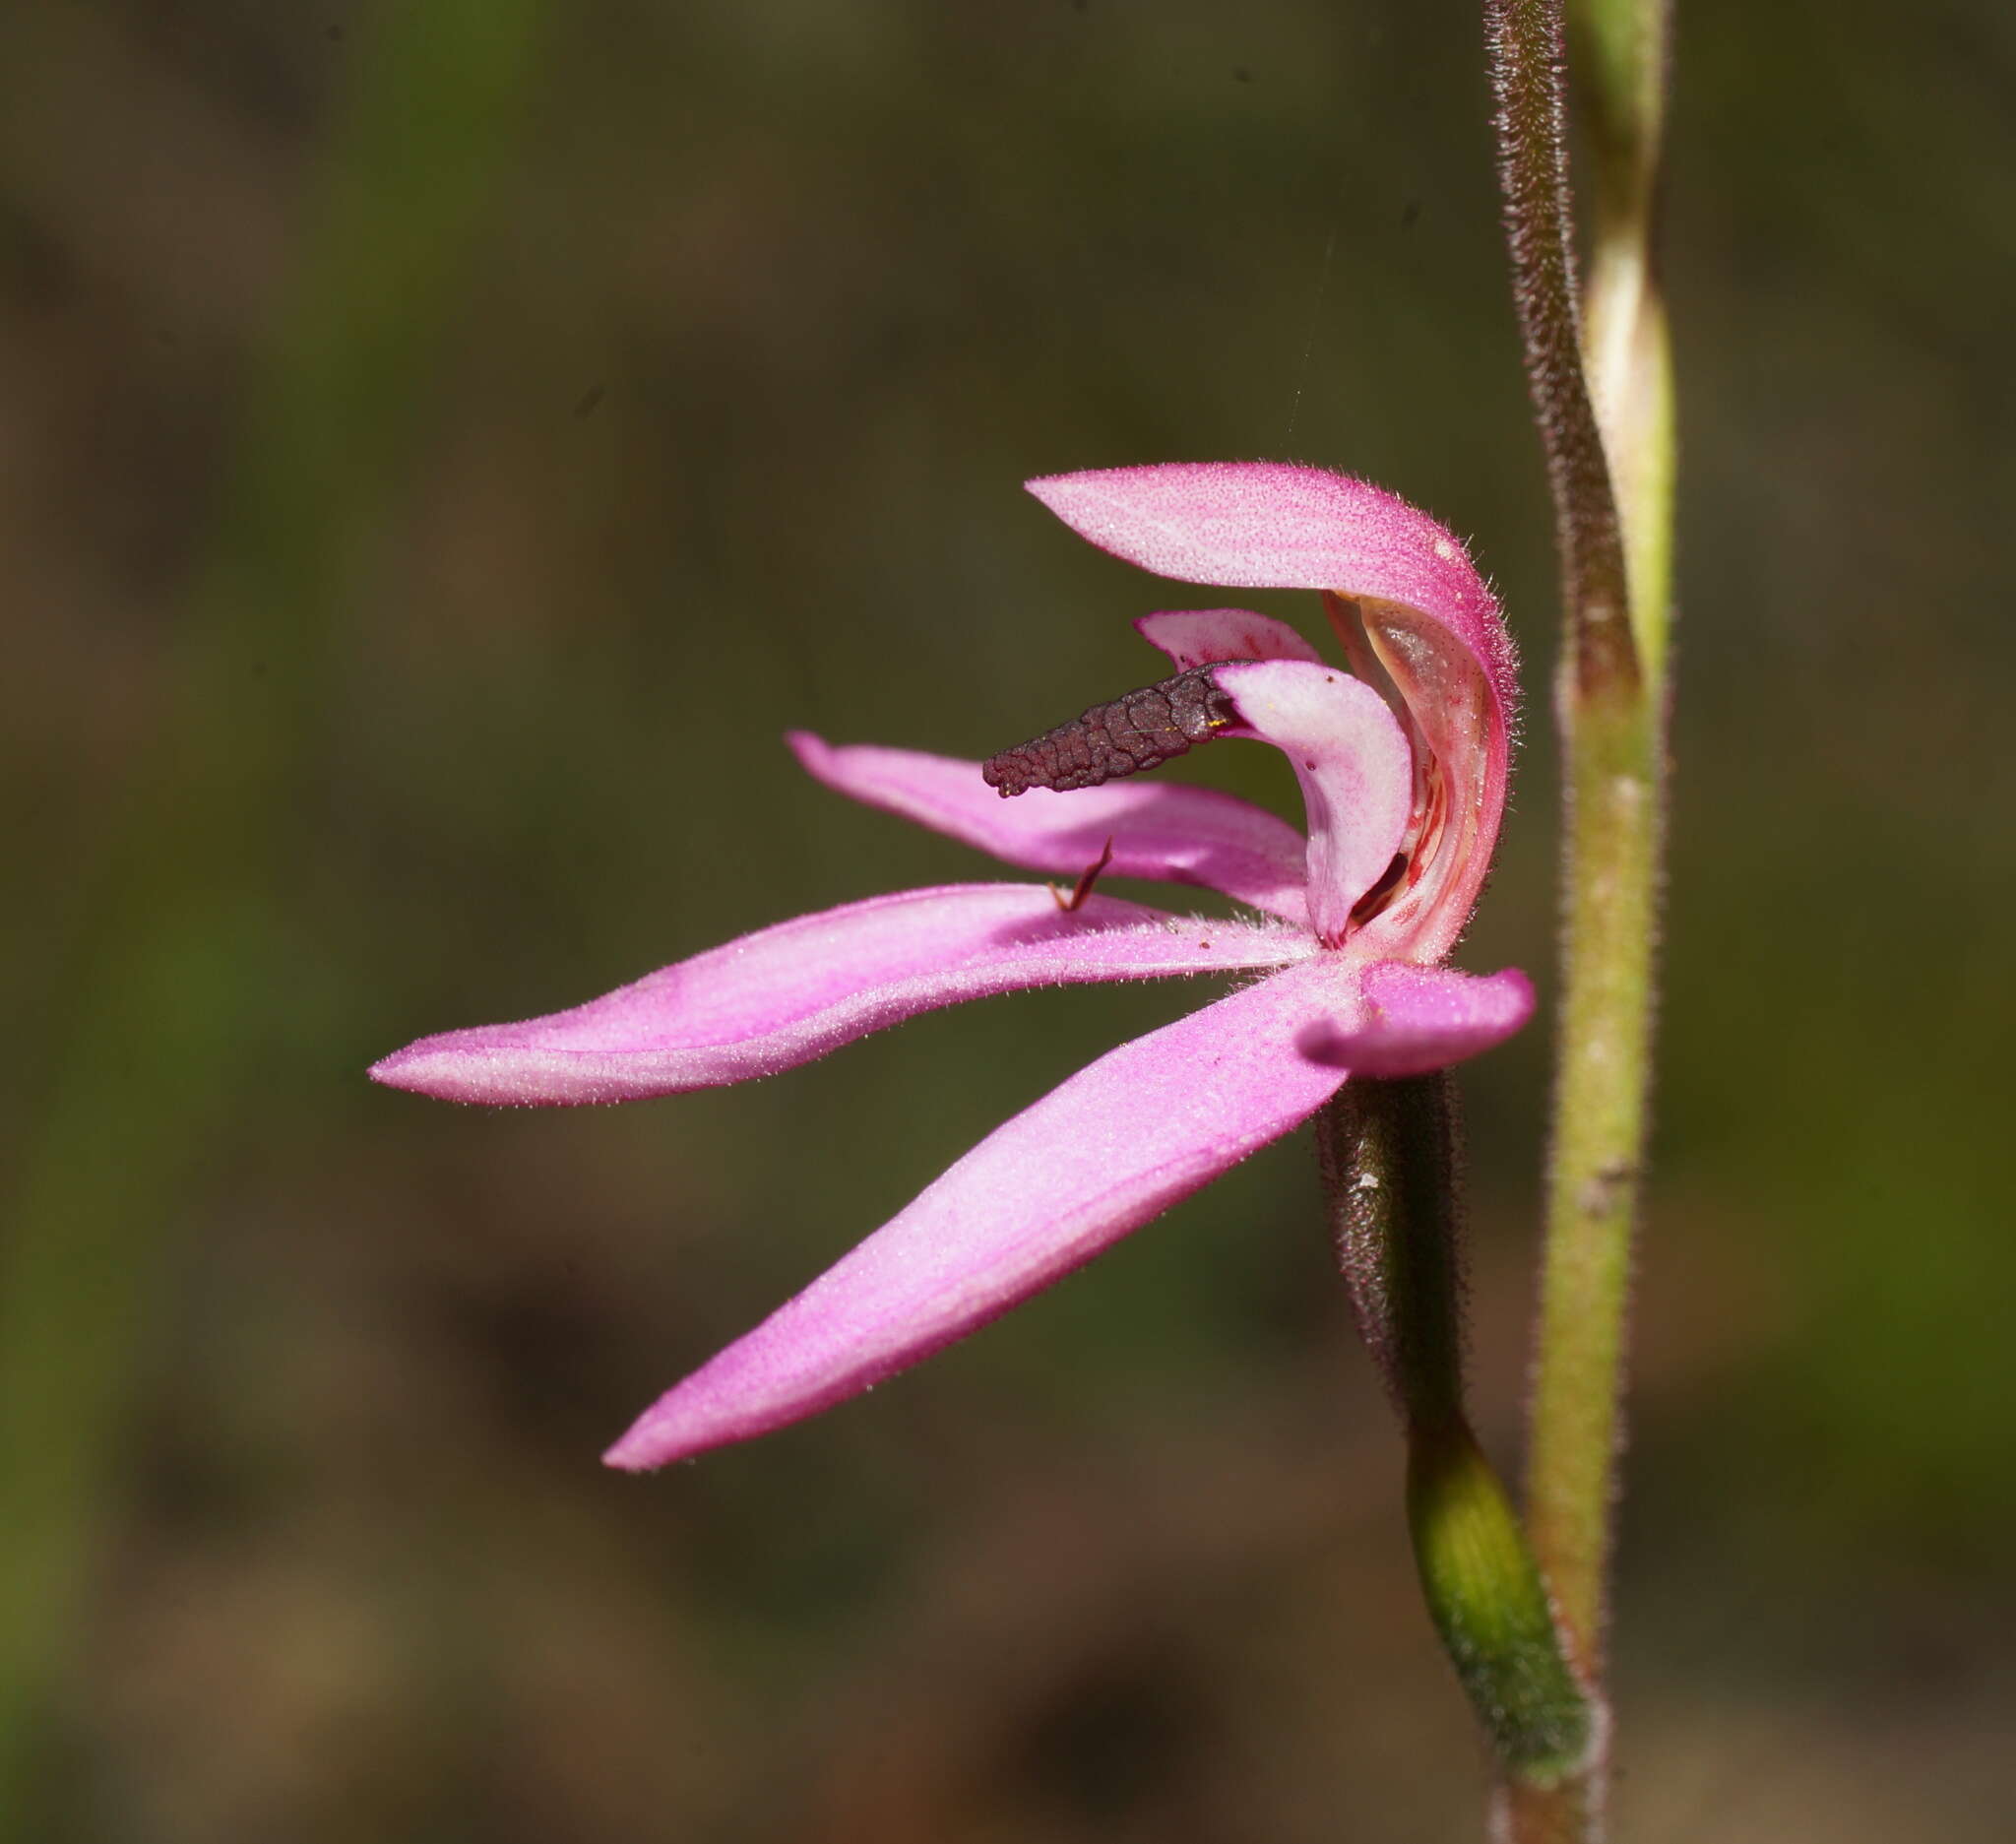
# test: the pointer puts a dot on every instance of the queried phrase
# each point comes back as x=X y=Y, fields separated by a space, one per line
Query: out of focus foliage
x=442 y=448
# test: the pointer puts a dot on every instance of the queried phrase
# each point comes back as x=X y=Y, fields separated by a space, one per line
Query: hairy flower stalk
x=1603 y=393
x=1391 y=1159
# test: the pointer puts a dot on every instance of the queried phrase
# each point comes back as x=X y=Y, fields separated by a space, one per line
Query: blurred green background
x=441 y=447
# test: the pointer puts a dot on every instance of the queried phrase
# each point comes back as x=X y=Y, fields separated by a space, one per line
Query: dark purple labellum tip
x=1140 y=730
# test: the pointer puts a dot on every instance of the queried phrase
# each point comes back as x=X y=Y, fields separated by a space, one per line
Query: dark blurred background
x=441 y=448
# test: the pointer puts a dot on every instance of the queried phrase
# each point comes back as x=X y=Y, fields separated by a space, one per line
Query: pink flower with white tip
x=1402 y=766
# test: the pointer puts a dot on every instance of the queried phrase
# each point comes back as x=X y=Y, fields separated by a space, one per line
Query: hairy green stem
x=1524 y=43
x=1608 y=381
x=1391 y=1159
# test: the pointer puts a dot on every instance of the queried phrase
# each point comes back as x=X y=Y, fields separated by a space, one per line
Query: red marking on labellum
x=1142 y=730
x=1381 y=893
x=1083 y=887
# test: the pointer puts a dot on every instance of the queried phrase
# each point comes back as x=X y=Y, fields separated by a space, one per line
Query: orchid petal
x=1275 y=525
x=1162 y=830
x=787 y=994
x=1415 y=616
x=1408 y=1020
x=1354 y=763
x=1203 y=636
x=1113 y=1147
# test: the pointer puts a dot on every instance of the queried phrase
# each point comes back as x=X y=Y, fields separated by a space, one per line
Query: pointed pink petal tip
x=1278 y=525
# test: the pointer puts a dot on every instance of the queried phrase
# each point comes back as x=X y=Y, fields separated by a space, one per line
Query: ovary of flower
x=1403 y=771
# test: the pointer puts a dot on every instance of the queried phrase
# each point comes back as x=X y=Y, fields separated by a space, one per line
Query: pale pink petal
x=1114 y=1146
x=1408 y=1020
x=1277 y=525
x=1200 y=636
x=1414 y=615
x=1163 y=830
x=787 y=994
x=1352 y=761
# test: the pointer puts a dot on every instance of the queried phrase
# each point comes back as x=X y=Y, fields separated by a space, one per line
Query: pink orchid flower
x=1403 y=767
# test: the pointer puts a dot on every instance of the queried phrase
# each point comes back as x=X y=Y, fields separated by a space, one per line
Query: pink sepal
x=790 y=994
x=1115 y=1145
x=1160 y=830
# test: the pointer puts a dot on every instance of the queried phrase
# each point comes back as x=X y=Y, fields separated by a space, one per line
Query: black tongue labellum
x=1140 y=730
